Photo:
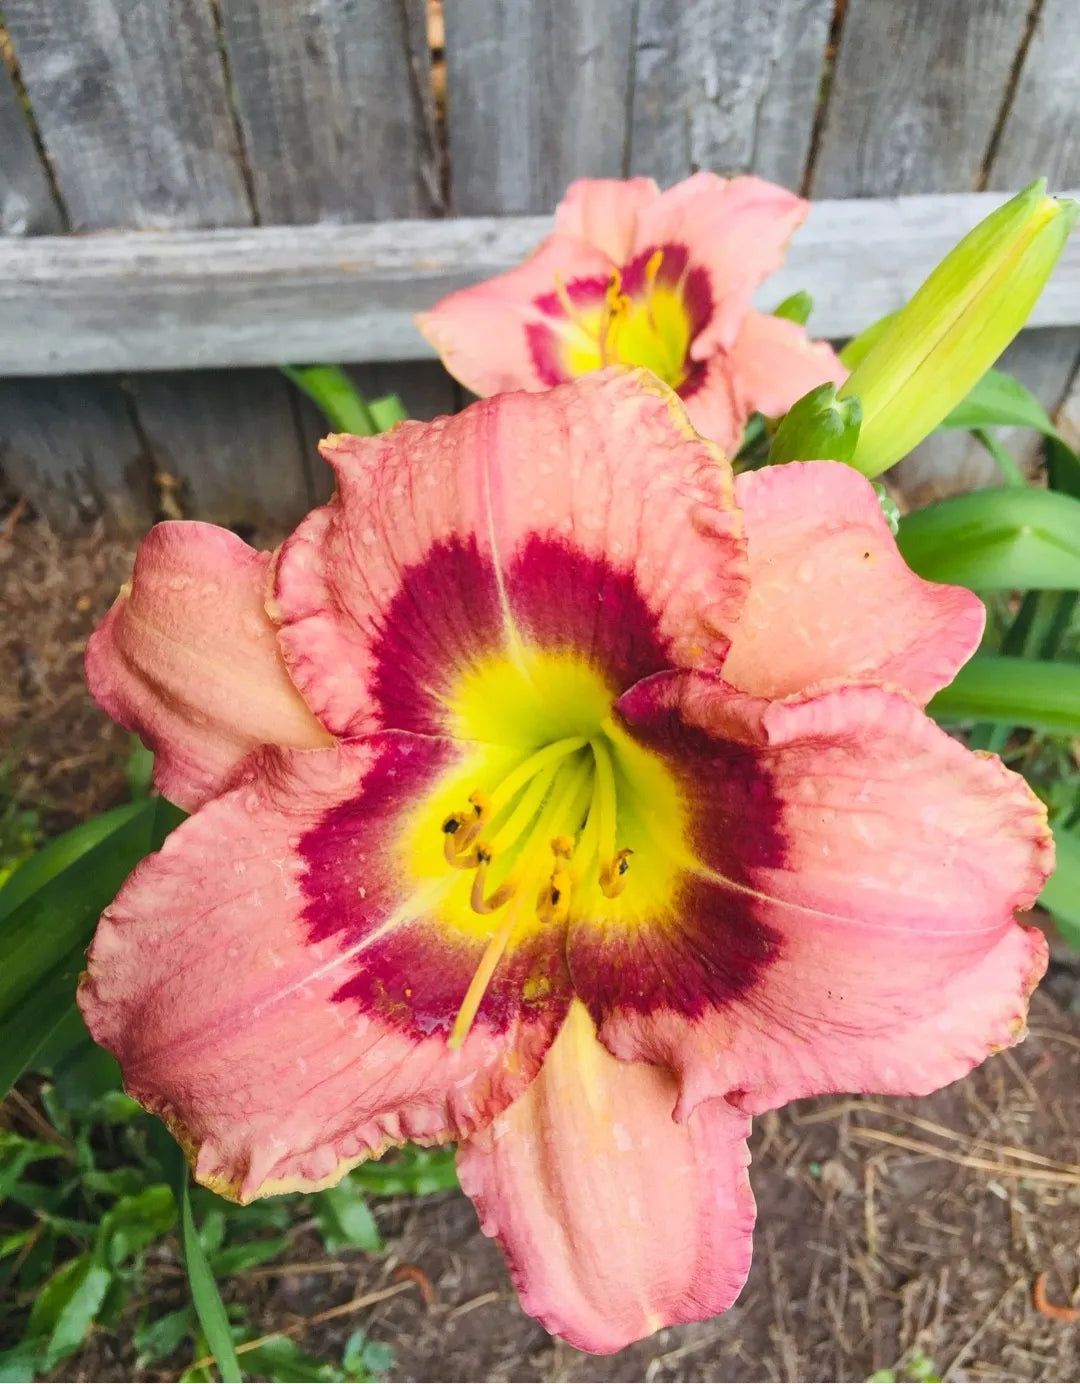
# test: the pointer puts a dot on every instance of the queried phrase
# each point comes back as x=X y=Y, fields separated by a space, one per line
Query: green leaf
x=796 y=308
x=1063 y=468
x=48 y=911
x=20 y=1363
x=364 y=1360
x=239 y=1258
x=412 y=1171
x=1061 y=892
x=159 y=1338
x=999 y=400
x=344 y=1218
x=134 y=1222
x=17 y=1154
x=55 y=857
x=64 y=1310
x=997 y=540
x=280 y=1359
x=204 y=1290
x=1042 y=695
x=328 y=386
x=387 y=411
x=818 y=427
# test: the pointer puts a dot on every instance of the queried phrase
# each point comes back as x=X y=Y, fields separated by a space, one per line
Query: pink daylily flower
x=657 y=279
x=557 y=793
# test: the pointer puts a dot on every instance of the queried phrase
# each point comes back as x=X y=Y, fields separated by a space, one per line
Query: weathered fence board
x=728 y=86
x=27 y=204
x=334 y=99
x=247 y=297
x=1041 y=134
x=130 y=99
x=70 y=446
x=133 y=109
x=538 y=96
x=916 y=95
x=253 y=473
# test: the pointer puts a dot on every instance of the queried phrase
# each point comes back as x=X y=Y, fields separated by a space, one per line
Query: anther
x=457 y=839
x=480 y=802
x=562 y=847
x=553 y=905
x=613 y=876
x=500 y=897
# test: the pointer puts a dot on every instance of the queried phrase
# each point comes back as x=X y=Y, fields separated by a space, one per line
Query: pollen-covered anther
x=613 y=875
x=553 y=904
x=490 y=903
x=562 y=847
x=460 y=831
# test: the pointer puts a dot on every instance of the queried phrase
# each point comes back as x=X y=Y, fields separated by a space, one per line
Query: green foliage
x=49 y=908
x=818 y=427
x=997 y=540
x=796 y=308
x=20 y=825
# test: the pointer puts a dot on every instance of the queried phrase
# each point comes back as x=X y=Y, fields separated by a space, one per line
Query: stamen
x=553 y=905
x=457 y=839
x=550 y=754
x=613 y=876
x=568 y=305
x=616 y=304
x=474 y=995
x=501 y=896
x=652 y=269
x=613 y=863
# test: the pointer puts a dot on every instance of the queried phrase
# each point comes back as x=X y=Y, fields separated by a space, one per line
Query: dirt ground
x=885 y=1227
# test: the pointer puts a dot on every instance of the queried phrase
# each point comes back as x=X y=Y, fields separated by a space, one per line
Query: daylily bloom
x=556 y=793
x=658 y=279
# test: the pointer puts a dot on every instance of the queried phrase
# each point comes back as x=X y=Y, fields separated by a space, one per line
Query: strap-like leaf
x=1020 y=691
x=997 y=540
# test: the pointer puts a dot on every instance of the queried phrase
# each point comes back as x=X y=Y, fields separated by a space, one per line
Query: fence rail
x=190 y=186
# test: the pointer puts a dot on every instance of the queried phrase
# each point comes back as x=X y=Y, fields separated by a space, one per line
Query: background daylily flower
x=595 y=811
x=657 y=279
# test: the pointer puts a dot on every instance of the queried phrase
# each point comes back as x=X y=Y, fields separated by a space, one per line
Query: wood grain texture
x=1041 y=133
x=726 y=85
x=538 y=96
x=916 y=94
x=130 y=99
x=227 y=298
x=247 y=475
x=334 y=98
x=71 y=448
x=27 y=205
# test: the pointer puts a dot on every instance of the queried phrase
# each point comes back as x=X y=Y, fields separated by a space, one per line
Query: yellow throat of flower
x=652 y=328
x=556 y=816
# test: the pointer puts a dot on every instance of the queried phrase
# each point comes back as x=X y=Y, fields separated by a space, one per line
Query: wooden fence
x=191 y=190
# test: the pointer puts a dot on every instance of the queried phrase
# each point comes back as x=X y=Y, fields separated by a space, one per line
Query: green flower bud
x=929 y=354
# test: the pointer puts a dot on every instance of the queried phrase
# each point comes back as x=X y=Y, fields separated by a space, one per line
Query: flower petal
x=603 y=213
x=615 y=1220
x=712 y=404
x=590 y=519
x=831 y=597
x=188 y=658
x=276 y=989
x=870 y=865
x=482 y=334
x=775 y=362
x=737 y=229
